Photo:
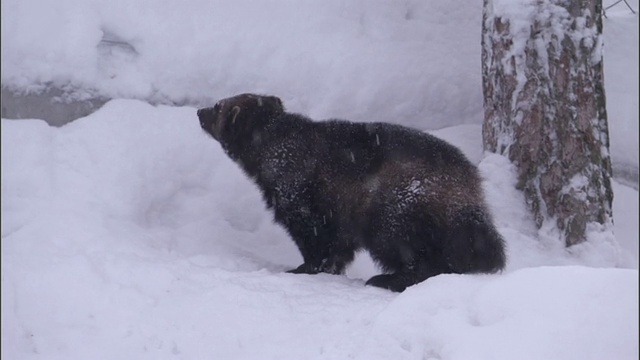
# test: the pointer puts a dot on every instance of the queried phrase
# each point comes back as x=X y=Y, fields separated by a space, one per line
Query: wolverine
x=412 y=200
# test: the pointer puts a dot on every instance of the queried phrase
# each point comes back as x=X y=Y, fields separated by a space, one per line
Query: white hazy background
x=128 y=234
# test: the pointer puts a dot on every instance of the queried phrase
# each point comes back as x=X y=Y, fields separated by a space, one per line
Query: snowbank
x=128 y=234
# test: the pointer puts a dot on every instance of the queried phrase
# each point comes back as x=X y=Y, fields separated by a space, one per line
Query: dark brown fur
x=412 y=200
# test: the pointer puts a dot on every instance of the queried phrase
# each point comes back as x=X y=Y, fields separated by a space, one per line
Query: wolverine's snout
x=204 y=112
x=207 y=119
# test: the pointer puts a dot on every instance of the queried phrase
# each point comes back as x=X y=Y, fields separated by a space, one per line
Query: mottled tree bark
x=545 y=109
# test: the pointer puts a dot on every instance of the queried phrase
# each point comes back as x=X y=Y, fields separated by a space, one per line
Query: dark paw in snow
x=391 y=282
x=304 y=269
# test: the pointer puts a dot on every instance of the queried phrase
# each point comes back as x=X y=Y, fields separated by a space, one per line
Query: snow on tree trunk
x=545 y=109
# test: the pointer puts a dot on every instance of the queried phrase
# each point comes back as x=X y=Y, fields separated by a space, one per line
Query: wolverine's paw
x=334 y=266
x=393 y=282
x=304 y=269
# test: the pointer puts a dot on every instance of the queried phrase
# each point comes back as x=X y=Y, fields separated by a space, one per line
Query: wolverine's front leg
x=305 y=268
x=310 y=238
x=315 y=254
x=334 y=263
x=322 y=248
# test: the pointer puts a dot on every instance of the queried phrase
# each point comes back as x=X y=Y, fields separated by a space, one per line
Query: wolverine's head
x=231 y=119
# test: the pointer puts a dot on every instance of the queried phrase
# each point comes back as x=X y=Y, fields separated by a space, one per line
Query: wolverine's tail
x=474 y=244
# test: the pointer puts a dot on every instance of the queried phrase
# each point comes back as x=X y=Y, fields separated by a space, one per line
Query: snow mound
x=128 y=234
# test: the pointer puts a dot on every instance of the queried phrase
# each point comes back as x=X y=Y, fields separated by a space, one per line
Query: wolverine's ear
x=275 y=103
x=279 y=103
x=234 y=113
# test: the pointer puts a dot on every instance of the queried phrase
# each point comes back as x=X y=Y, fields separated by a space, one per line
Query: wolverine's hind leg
x=407 y=247
x=395 y=282
x=410 y=275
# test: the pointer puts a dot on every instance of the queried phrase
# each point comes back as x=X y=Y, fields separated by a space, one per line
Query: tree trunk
x=545 y=109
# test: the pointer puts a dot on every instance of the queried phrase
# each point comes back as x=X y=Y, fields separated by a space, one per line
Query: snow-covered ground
x=128 y=234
